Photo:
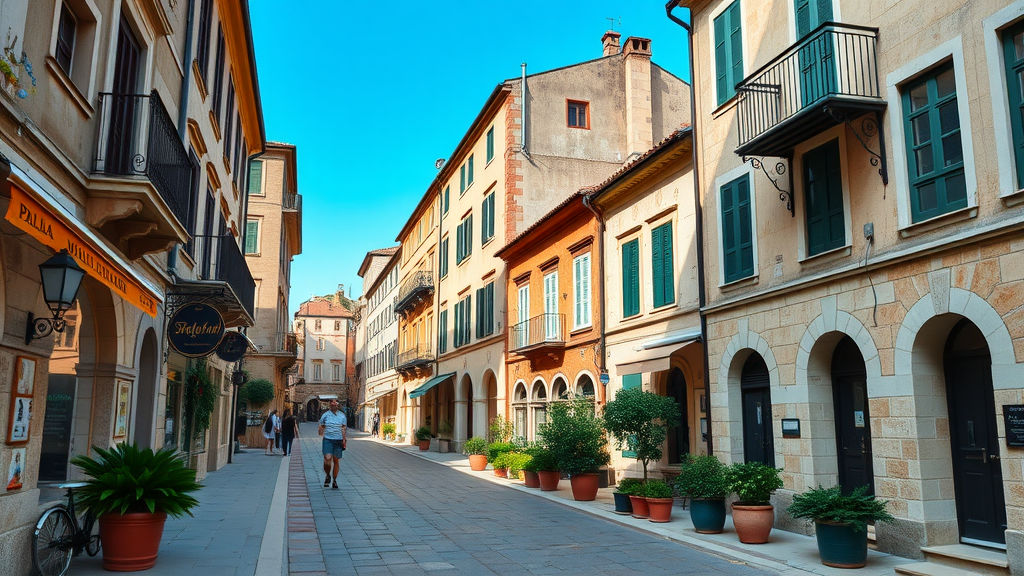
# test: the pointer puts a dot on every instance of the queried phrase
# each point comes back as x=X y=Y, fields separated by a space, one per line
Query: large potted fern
x=131 y=492
x=840 y=522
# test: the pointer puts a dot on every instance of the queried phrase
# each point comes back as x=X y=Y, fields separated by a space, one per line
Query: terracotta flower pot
x=131 y=541
x=640 y=509
x=532 y=479
x=753 y=523
x=501 y=472
x=424 y=445
x=549 y=480
x=660 y=509
x=477 y=462
x=584 y=487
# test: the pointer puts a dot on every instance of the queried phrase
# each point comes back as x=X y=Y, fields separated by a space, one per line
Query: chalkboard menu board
x=60 y=407
x=1014 y=418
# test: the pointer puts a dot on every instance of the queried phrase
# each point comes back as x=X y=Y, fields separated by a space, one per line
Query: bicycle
x=60 y=534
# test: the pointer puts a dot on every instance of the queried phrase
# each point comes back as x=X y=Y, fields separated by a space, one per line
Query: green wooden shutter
x=442 y=332
x=744 y=226
x=656 y=267
x=735 y=47
x=803 y=18
x=458 y=243
x=480 y=300
x=826 y=225
x=469 y=171
x=667 y=283
x=457 y=325
x=489 y=322
x=469 y=236
x=462 y=179
x=447 y=191
x=252 y=228
x=490 y=220
x=467 y=313
x=442 y=264
x=490 y=144
x=255 y=177
x=721 y=60
x=1014 y=60
x=630 y=278
x=737 y=242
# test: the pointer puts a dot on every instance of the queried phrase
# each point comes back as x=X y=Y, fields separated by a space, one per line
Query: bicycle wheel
x=91 y=527
x=53 y=542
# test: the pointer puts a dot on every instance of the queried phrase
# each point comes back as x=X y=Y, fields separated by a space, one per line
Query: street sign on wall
x=195 y=330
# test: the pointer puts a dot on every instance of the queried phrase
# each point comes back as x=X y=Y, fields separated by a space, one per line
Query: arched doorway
x=492 y=401
x=313 y=410
x=977 y=476
x=467 y=408
x=678 y=436
x=147 y=391
x=852 y=421
x=758 y=441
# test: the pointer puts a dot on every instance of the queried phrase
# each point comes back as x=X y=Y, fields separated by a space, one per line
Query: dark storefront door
x=853 y=425
x=60 y=408
x=678 y=436
x=978 y=478
x=758 y=442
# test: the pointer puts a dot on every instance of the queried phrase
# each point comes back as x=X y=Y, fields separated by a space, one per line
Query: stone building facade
x=325 y=330
x=377 y=338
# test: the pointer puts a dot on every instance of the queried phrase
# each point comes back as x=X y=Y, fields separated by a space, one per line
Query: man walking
x=333 y=427
x=277 y=432
x=375 y=428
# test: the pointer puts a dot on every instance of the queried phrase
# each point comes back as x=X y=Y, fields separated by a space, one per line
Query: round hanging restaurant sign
x=195 y=330
x=232 y=347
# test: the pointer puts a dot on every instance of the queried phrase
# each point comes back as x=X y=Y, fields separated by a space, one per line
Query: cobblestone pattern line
x=304 y=554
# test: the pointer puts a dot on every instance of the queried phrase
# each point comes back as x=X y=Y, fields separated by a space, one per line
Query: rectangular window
x=1013 y=56
x=485 y=311
x=442 y=332
x=336 y=369
x=581 y=291
x=252 y=233
x=318 y=369
x=442 y=254
x=464 y=239
x=728 y=52
x=578 y=115
x=487 y=219
x=631 y=278
x=737 y=237
x=337 y=325
x=823 y=187
x=203 y=45
x=935 y=155
x=316 y=325
x=490 y=145
x=66 y=39
x=662 y=272
x=521 y=332
x=552 y=324
x=218 y=74
x=256 y=177
x=227 y=119
x=469 y=172
x=462 y=179
x=463 y=333
x=444 y=201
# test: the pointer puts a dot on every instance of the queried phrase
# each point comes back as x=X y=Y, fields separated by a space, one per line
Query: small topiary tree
x=257 y=392
x=639 y=421
x=575 y=436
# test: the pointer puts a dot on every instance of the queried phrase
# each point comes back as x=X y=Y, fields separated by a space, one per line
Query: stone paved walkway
x=396 y=514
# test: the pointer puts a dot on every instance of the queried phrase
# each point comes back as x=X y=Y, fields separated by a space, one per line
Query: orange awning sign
x=40 y=222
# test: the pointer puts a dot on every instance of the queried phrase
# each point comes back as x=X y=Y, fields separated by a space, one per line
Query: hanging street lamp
x=61 y=278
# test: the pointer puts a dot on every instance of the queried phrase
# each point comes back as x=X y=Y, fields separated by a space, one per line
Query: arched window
x=519 y=409
x=539 y=407
x=585 y=386
x=559 y=390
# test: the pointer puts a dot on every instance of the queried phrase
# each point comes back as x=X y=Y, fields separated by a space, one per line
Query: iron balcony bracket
x=869 y=128
x=780 y=172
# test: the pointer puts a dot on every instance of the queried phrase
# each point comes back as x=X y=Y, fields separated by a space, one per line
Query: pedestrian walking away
x=268 y=432
x=375 y=430
x=333 y=427
x=277 y=430
x=289 y=432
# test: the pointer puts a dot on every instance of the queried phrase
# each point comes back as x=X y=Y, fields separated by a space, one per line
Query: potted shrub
x=423 y=437
x=659 y=500
x=703 y=480
x=516 y=462
x=131 y=492
x=575 y=435
x=840 y=522
x=388 y=429
x=476 y=449
x=546 y=464
x=753 y=515
x=530 y=476
x=500 y=464
x=623 y=490
x=496 y=449
x=639 y=421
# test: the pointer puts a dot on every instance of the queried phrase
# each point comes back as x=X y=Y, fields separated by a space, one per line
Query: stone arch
x=146 y=388
x=580 y=380
x=485 y=407
x=461 y=414
x=554 y=386
x=726 y=400
x=831 y=326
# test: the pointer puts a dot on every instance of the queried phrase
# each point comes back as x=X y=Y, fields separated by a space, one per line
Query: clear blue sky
x=372 y=93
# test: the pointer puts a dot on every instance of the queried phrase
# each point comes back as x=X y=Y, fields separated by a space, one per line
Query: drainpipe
x=701 y=289
x=600 y=287
x=183 y=102
x=522 y=112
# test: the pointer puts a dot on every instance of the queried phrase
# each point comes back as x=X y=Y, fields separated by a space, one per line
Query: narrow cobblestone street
x=398 y=514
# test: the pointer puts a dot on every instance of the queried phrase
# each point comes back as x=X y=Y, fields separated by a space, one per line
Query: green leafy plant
x=388 y=429
x=753 y=482
x=702 y=477
x=830 y=505
x=657 y=489
x=639 y=421
x=575 y=435
x=475 y=446
x=200 y=400
x=423 y=433
x=125 y=479
x=516 y=461
x=630 y=487
x=257 y=392
x=541 y=459
x=445 y=428
x=500 y=429
x=501 y=460
x=496 y=448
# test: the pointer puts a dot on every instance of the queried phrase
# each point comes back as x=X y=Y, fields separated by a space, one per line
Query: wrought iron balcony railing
x=218 y=258
x=420 y=285
x=414 y=357
x=138 y=138
x=828 y=77
x=281 y=343
x=537 y=332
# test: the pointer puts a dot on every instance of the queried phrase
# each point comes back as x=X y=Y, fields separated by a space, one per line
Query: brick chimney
x=636 y=55
x=610 y=42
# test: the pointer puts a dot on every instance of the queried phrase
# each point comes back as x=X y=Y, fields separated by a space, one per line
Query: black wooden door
x=853 y=424
x=978 y=478
x=758 y=442
x=124 y=106
x=678 y=436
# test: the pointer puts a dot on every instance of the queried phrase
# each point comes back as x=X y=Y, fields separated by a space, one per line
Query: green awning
x=430 y=384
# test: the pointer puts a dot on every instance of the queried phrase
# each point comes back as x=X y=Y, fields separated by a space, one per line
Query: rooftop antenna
x=439 y=163
x=612 y=21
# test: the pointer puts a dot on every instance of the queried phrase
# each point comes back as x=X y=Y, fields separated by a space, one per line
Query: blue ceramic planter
x=841 y=545
x=622 y=503
x=708 y=515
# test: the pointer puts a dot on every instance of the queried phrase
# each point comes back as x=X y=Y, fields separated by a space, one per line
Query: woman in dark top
x=289 y=432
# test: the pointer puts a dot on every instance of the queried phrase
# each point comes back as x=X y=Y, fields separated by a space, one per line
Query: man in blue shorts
x=333 y=427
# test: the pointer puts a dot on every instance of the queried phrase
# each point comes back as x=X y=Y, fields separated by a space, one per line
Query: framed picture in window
x=21 y=400
x=122 y=400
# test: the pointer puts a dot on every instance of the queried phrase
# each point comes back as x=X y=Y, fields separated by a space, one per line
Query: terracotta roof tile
x=323 y=308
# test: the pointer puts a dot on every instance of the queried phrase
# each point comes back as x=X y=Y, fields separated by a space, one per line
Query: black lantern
x=61 y=277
